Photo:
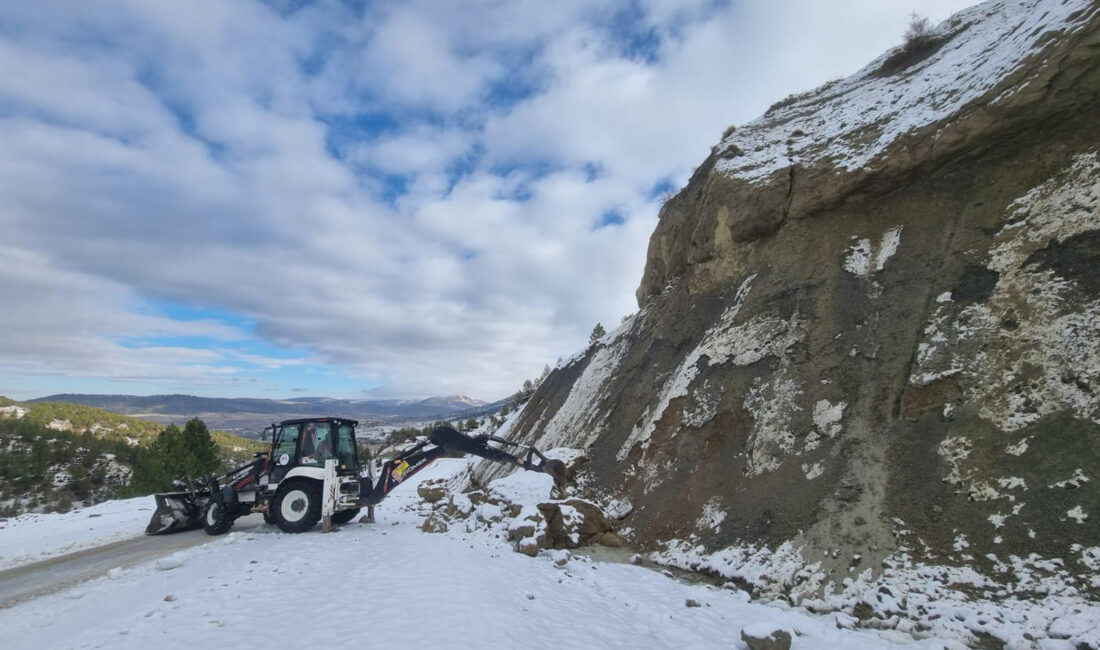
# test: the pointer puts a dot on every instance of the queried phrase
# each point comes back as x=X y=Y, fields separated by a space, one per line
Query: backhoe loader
x=286 y=482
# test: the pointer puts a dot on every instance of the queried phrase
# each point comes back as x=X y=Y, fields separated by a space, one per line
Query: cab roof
x=308 y=420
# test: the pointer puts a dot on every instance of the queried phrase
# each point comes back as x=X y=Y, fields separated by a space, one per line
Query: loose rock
x=763 y=637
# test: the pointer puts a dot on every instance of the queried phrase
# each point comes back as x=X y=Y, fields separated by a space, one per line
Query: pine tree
x=176 y=453
x=598 y=332
x=200 y=451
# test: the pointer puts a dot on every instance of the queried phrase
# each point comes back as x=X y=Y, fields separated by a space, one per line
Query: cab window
x=317 y=443
x=345 y=447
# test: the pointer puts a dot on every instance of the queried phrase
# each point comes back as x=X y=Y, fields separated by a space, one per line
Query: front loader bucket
x=175 y=511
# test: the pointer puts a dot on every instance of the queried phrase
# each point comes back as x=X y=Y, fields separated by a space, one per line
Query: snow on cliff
x=853 y=120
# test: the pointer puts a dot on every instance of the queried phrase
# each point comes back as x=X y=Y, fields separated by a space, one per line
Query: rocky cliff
x=869 y=326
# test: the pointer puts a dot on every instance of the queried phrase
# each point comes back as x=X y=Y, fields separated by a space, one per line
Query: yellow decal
x=400 y=469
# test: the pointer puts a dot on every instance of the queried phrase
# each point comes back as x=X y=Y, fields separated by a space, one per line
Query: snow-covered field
x=389 y=584
x=34 y=537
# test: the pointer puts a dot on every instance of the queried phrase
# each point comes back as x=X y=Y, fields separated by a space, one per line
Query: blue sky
x=236 y=198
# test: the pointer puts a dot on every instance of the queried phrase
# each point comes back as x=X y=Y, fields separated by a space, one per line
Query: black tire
x=268 y=518
x=216 y=519
x=344 y=516
x=297 y=506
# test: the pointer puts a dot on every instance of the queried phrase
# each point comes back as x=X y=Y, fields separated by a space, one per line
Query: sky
x=382 y=199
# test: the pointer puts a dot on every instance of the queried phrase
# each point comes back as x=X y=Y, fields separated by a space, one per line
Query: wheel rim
x=294 y=506
x=211 y=515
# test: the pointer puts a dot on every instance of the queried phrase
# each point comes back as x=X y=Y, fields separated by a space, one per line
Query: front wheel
x=297 y=506
x=216 y=519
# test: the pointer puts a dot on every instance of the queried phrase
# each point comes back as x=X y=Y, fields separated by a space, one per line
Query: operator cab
x=310 y=442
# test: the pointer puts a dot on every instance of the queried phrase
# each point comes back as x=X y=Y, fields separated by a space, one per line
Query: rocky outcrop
x=869 y=326
x=530 y=523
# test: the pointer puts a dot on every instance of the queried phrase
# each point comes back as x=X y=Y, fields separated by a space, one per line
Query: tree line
x=54 y=469
x=32 y=455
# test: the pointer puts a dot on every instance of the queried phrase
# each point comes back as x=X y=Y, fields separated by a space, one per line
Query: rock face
x=871 y=321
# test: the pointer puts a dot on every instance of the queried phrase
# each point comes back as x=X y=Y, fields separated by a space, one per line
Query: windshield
x=286 y=445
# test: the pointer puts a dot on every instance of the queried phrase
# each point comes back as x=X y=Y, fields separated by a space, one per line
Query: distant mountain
x=250 y=415
x=452 y=403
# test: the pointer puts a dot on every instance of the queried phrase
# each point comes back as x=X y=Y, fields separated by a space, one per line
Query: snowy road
x=34 y=537
x=32 y=580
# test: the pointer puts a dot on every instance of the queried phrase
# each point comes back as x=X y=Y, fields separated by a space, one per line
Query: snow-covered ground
x=33 y=537
x=370 y=585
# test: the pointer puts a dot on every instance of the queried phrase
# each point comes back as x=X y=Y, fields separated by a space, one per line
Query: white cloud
x=233 y=156
x=421 y=149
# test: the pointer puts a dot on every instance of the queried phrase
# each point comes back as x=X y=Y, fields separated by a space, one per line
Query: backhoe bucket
x=175 y=511
x=556 y=469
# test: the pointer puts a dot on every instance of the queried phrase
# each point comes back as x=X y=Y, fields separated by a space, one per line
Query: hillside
x=248 y=416
x=102 y=423
x=55 y=455
x=63 y=416
x=47 y=470
x=868 y=337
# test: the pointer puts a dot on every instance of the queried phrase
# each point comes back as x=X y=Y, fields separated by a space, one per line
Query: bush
x=398 y=436
x=918 y=31
x=920 y=43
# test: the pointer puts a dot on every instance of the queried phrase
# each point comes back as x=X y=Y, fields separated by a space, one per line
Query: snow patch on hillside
x=712 y=516
x=579 y=421
x=14 y=412
x=827 y=423
x=1058 y=351
x=854 y=120
x=772 y=403
x=718 y=344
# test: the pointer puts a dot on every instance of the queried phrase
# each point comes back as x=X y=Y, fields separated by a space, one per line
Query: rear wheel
x=297 y=506
x=344 y=516
x=216 y=519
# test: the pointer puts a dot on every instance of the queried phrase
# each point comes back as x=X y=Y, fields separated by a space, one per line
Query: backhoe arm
x=444 y=439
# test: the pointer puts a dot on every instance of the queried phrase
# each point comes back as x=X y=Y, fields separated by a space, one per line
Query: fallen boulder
x=766 y=637
x=434 y=524
x=432 y=491
x=576 y=523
